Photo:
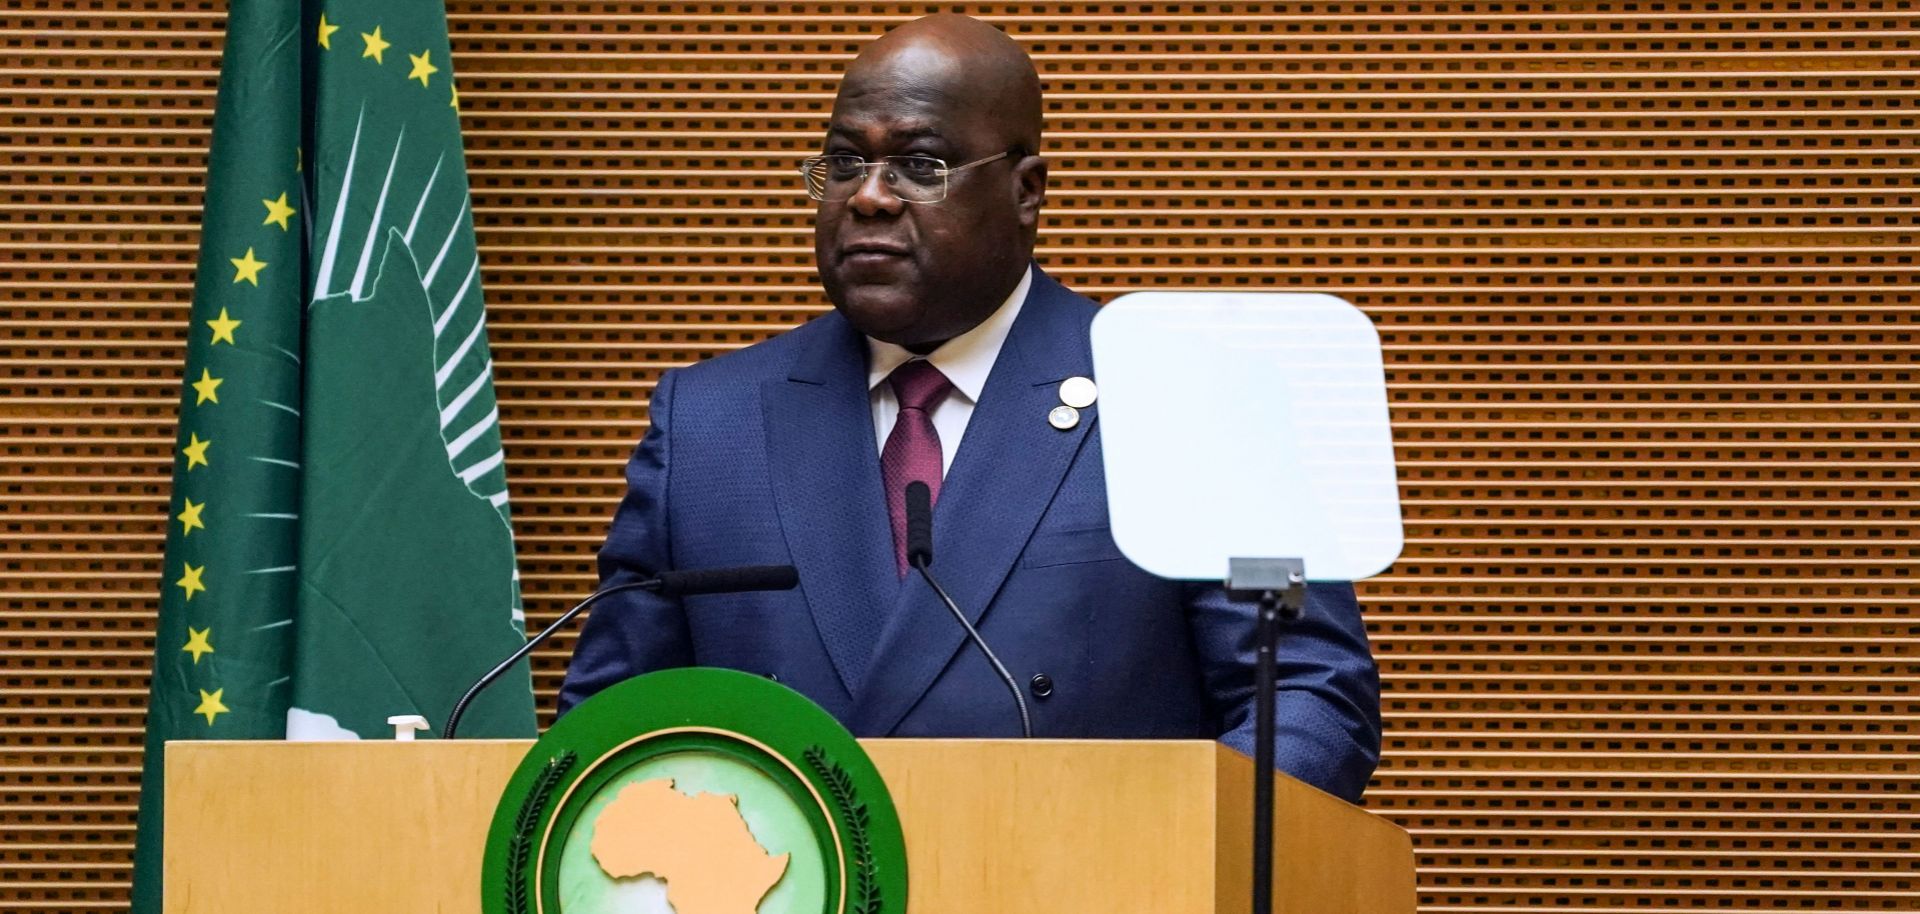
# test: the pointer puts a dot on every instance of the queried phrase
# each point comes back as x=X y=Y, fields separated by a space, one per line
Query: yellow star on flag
x=223 y=327
x=190 y=517
x=190 y=581
x=197 y=643
x=196 y=451
x=277 y=212
x=376 y=46
x=210 y=705
x=422 y=67
x=454 y=102
x=247 y=269
x=326 y=32
x=205 y=387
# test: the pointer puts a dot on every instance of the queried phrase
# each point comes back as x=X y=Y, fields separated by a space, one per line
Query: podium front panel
x=1014 y=827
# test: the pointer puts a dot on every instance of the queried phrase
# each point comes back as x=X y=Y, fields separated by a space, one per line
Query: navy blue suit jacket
x=767 y=456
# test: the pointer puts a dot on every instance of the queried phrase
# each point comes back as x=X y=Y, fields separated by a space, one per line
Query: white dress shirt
x=966 y=360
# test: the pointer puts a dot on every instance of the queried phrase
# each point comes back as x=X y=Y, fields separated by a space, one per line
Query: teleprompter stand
x=1285 y=464
x=1279 y=586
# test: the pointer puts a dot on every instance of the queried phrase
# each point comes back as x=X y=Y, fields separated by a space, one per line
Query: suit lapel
x=826 y=475
x=1009 y=464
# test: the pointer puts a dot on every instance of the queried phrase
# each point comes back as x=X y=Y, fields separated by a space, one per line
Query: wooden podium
x=1012 y=827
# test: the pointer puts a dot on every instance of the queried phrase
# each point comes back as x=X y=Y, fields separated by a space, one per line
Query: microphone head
x=728 y=580
x=919 y=523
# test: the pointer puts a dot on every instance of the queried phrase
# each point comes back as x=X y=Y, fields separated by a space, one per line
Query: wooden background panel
x=1643 y=272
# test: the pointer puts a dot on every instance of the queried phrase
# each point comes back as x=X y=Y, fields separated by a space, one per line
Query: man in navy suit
x=944 y=363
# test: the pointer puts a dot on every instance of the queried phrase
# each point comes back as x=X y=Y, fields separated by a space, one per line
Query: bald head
x=958 y=61
x=917 y=272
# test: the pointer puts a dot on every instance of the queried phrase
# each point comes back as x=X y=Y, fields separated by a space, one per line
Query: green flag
x=338 y=549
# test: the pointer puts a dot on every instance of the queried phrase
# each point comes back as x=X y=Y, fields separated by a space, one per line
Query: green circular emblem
x=695 y=791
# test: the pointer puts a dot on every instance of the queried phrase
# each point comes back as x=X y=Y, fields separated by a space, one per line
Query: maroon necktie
x=912 y=452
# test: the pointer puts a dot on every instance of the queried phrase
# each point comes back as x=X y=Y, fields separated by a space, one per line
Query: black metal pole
x=1267 y=631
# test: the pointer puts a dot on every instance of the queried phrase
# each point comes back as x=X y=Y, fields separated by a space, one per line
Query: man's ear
x=1030 y=188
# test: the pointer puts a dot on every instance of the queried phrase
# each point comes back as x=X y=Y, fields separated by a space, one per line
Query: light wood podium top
x=1010 y=826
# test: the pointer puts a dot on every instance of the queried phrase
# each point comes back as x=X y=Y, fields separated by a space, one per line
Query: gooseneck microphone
x=669 y=584
x=738 y=579
x=920 y=555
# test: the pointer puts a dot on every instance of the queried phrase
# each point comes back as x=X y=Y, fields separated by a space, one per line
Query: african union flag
x=338 y=547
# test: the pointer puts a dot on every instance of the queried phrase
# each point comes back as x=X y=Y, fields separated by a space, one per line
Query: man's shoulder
x=1058 y=307
x=769 y=359
x=1057 y=295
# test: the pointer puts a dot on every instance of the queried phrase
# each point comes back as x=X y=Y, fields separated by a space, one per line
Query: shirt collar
x=966 y=359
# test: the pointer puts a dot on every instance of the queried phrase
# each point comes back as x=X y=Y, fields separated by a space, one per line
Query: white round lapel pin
x=1078 y=392
x=1063 y=417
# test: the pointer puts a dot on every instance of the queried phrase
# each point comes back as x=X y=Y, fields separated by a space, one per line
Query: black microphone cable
x=920 y=555
x=669 y=584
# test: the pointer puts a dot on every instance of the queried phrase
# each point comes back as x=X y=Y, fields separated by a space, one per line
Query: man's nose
x=874 y=196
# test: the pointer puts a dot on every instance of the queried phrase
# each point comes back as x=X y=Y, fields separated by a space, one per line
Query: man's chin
x=887 y=313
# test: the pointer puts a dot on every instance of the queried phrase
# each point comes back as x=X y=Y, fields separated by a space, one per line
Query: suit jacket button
x=1041 y=684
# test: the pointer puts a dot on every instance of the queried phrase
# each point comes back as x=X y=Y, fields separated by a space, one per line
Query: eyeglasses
x=914 y=179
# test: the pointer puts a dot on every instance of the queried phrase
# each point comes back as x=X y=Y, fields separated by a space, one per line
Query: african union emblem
x=696 y=791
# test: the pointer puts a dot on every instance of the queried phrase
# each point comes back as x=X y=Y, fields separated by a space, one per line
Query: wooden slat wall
x=1644 y=273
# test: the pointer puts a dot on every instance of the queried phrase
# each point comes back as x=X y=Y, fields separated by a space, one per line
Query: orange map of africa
x=698 y=845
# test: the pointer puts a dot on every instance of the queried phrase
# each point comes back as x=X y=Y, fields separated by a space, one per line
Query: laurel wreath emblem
x=865 y=896
x=520 y=846
x=846 y=798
